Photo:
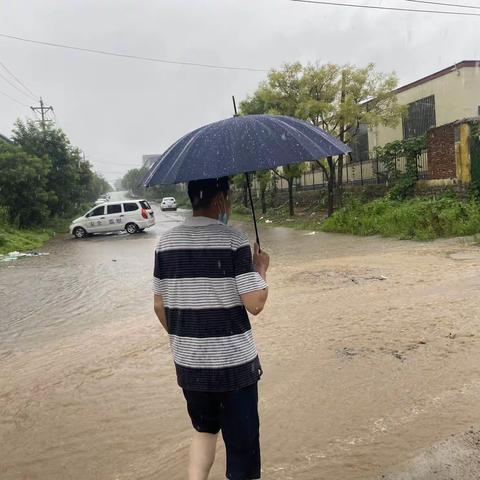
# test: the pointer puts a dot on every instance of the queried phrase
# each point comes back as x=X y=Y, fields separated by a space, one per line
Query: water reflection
x=361 y=369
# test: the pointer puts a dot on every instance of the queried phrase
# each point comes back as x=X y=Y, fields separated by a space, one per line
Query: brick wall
x=441 y=152
x=429 y=189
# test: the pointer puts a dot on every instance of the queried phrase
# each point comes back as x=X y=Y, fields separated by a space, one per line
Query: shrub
x=419 y=219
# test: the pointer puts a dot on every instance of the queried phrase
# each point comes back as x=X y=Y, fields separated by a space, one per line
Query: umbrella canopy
x=242 y=144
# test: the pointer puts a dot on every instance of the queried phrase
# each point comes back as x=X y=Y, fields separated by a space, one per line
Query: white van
x=130 y=215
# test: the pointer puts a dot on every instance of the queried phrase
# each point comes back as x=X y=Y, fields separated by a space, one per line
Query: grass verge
x=24 y=240
x=415 y=219
x=305 y=219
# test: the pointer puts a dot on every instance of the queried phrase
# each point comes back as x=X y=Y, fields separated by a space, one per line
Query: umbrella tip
x=235 y=114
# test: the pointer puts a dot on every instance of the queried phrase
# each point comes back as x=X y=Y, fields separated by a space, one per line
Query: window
x=360 y=146
x=114 y=209
x=130 y=207
x=98 y=211
x=420 y=117
x=145 y=204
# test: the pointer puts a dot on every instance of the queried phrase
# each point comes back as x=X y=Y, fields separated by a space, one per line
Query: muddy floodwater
x=370 y=350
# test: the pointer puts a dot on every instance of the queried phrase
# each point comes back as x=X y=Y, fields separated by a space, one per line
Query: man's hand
x=159 y=308
x=261 y=261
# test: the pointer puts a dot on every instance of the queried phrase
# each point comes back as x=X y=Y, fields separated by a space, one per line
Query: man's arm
x=255 y=301
x=159 y=308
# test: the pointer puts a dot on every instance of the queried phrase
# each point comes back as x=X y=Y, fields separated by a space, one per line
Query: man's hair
x=202 y=192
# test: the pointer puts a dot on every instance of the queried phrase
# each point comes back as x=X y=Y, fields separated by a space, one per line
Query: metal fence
x=372 y=171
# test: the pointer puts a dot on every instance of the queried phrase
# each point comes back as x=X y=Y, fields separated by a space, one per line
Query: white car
x=168 y=203
x=130 y=215
x=102 y=199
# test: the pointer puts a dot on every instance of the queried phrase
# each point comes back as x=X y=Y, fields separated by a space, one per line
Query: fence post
x=361 y=171
x=378 y=171
x=346 y=169
x=313 y=177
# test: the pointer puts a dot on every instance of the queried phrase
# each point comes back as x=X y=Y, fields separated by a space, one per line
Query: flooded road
x=370 y=349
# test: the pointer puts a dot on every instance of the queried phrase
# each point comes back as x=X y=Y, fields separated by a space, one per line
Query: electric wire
x=444 y=4
x=18 y=81
x=13 y=99
x=393 y=9
x=134 y=57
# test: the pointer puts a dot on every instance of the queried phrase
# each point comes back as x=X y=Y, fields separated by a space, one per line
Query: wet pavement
x=370 y=349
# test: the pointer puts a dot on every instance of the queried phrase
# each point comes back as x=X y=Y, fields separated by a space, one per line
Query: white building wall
x=457 y=96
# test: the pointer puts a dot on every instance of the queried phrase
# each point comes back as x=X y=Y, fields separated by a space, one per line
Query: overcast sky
x=118 y=109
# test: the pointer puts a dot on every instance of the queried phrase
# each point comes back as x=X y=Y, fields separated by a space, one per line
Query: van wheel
x=79 y=232
x=131 y=228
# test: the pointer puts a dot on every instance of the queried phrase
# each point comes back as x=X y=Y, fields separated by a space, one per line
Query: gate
x=475 y=153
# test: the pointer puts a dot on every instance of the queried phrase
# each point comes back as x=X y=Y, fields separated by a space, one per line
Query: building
x=444 y=104
x=149 y=160
x=438 y=99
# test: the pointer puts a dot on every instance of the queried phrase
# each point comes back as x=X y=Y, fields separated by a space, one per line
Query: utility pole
x=43 y=110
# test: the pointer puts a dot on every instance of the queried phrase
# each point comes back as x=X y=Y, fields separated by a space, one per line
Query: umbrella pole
x=253 y=208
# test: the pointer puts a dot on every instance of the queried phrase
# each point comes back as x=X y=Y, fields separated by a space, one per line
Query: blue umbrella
x=242 y=144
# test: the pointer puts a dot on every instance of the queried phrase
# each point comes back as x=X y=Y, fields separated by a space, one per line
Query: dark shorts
x=236 y=415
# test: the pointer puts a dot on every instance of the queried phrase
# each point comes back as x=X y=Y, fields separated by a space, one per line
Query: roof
x=441 y=73
x=5 y=139
x=149 y=160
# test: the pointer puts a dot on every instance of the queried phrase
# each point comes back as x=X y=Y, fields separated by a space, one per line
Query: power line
x=444 y=4
x=13 y=85
x=13 y=99
x=18 y=80
x=135 y=57
x=395 y=9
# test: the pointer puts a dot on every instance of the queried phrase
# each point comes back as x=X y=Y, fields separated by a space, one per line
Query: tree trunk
x=290 y=197
x=263 y=200
x=245 y=196
x=341 y=134
x=339 y=189
x=340 y=170
x=331 y=187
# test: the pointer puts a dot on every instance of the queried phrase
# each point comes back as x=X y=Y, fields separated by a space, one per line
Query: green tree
x=337 y=98
x=264 y=178
x=240 y=183
x=70 y=177
x=290 y=173
x=24 y=186
x=409 y=149
x=90 y=184
x=118 y=184
x=131 y=181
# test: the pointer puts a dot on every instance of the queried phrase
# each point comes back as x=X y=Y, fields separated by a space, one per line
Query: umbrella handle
x=253 y=209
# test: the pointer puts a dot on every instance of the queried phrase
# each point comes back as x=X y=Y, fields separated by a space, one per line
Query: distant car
x=102 y=199
x=168 y=203
x=130 y=215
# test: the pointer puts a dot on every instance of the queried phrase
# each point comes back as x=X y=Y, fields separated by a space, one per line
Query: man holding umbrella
x=205 y=281
x=206 y=277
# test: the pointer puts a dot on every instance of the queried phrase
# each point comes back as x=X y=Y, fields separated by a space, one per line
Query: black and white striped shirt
x=201 y=269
